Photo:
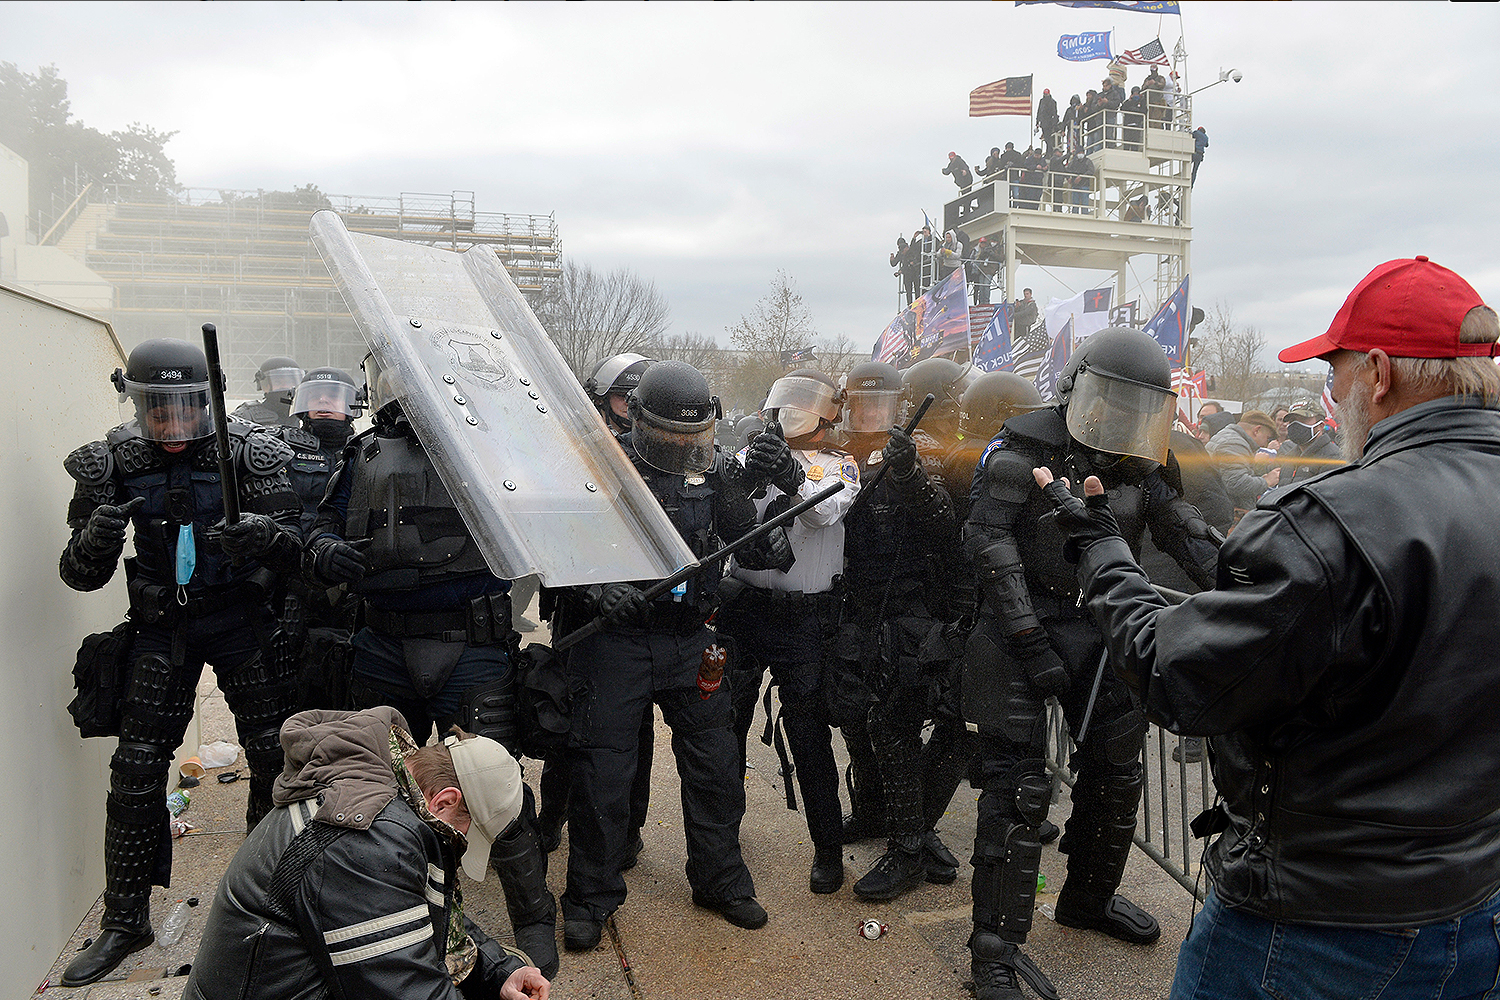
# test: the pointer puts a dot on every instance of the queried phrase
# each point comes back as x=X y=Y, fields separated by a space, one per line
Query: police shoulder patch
x=991 y=448
x=849 y=471
x=91 y=464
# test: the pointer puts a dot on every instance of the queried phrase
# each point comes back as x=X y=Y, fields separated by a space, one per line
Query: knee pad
x=138 y=772
x=489 y=710
x=1004 y=886
x=256 y=699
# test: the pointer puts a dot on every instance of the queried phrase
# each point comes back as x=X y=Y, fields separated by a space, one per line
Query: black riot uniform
x=190 y=603
x=316 y=621
x=277 y=378
x=659 y=652
x=609 y=388
x=437 y=641
x=1035 y=638
x=892 y=626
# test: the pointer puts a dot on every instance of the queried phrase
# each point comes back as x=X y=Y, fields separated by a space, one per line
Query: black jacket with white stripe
x=356 y=908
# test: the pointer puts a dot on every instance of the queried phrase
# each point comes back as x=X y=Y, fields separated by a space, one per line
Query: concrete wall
x=51 y=272
x=52 y=826
x=13 y=201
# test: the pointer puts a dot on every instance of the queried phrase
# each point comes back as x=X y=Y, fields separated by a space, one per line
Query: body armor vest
x=397 y=499
x=690 y=508
x=178 y=489
x=309 y=470
x=886 y=554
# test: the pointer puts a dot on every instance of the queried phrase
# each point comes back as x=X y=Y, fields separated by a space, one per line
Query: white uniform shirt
x=817 y=534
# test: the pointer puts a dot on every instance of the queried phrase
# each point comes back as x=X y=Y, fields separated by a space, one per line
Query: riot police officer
x=277 y=378
x=780 y=612
x=891 y=536
x=193 y=598
x=316 y=621
x=659 y=652
x=608 y=387
x=1035 y=639
x=437 y=643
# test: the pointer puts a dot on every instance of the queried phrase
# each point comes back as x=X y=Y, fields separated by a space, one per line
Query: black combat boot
x=899 y=869
x=997 y=965
x=939 y=863
x=518 y=859
x=827 y=870
x=126 y=929
x=1100 y=833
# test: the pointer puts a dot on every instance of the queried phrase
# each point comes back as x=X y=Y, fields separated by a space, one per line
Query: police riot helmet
x=992 y=399
x=746 y=428
x=672 y=415
x=327 y=390
x=383 y=389
x=945 y=379
x=615 y=376
x=164 y=387
x=1117 y=388
x=804 y=401
x=278 y=374
x=872 y=397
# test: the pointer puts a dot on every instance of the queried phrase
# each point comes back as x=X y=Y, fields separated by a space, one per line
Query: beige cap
x=490 y=780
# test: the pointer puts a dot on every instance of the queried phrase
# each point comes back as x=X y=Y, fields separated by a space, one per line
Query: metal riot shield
x=540 y=482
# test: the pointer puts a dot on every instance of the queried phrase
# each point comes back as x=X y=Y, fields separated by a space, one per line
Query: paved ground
x=664 y=947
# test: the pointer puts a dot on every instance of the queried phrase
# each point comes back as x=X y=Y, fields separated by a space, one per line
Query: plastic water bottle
x=178 y=801
x=173 y=926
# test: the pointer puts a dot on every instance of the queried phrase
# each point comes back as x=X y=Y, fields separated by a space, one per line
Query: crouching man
x=350 y=886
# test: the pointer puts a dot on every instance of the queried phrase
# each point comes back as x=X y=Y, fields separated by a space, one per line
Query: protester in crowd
x=1047 y=121
x=1234 y=449
x=991 y=163
x=1213 y=416
x=1071 y=120
x=1200 y=144
x=1133 y=110
x=1357 y=846
x=959 y=171
x=1310 y=449
x=1025 y=315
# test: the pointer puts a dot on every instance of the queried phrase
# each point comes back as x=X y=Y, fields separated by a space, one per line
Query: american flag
x=1328 y=398
x=1150 y=54
x=1011 y=96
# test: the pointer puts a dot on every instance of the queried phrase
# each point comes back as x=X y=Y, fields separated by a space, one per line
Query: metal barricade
x=1172 y=792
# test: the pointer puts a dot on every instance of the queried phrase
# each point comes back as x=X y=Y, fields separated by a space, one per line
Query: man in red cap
x=1344 y=667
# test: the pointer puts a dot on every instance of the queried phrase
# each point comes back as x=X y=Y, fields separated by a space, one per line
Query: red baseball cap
x=1407 y=308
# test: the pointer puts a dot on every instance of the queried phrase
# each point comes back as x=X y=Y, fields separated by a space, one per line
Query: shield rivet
x=473 y=420
x=533 y=394
x=524 y=381
x=417 y=323
x=591 y=487
x=460 y=400
x=495 y=334
x=449 y=379
x=541 y=407
x=509 y=485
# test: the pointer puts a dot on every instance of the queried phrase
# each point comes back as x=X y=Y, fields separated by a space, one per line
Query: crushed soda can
x=873 y=930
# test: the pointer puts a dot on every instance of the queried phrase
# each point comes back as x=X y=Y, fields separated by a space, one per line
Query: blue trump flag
x=1082 y=48
x=1169 y=326
x=994 y=352
x=1057 y=360
x=1139 y=6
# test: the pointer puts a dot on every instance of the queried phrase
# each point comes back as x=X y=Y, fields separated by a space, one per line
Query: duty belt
x=794 y=600
x=485 y=621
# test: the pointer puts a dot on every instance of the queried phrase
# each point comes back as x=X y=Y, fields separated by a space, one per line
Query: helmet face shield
x=278 y=379
x=868 y=411
x=673 y=446
x=808 y=394
x=1120 y=417
x=325 y=398
x=168 y=414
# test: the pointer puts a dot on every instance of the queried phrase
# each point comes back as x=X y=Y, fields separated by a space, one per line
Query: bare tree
x=592 y=315
x=1229 y=352
x=779 y=321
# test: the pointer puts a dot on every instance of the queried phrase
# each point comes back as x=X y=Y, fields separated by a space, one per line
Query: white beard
x=1353 y=416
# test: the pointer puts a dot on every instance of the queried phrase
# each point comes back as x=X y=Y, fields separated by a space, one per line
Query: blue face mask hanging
x=187 y=554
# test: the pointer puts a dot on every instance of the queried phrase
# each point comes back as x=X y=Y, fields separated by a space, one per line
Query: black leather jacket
x=1346 y=665
x=370 y=915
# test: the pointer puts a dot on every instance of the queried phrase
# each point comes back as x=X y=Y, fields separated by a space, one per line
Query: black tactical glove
x=1043 y=666
x=769 y=459
x=1083 y=521
x=772 y=550
x=104 y=535
x=622 y=604
x=900 y=453
x=251 y=537
x=333 y=561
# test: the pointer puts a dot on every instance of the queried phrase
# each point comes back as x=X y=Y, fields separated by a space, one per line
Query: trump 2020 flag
x=1169 y=326
x=993 y=353
x=1082 y=48
x=937 y=323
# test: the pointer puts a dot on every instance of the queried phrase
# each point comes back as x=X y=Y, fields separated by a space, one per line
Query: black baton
x=216 y=385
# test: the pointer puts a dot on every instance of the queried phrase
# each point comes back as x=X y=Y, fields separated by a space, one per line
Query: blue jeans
x=1231 y=954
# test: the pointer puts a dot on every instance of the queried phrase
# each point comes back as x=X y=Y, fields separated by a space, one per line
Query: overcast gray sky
x=706 y=146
